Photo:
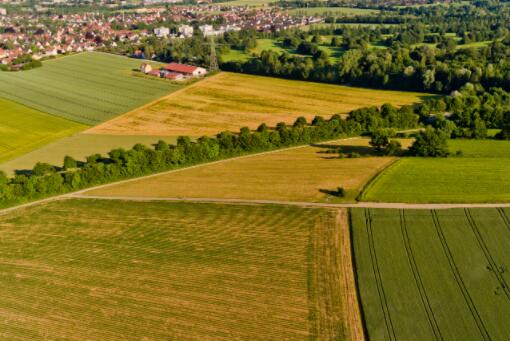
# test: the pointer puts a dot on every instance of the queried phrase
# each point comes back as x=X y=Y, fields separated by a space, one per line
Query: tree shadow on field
x=344 y=149
x=23 y=172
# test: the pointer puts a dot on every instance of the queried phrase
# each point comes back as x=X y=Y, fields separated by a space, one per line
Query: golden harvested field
x=297 y=174
x=112 y=270
x=229 y=101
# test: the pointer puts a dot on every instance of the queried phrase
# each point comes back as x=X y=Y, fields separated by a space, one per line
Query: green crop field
x=433 y=275
x=112 y=270
x=88 y=88
x=23 y=129
x=481 y=175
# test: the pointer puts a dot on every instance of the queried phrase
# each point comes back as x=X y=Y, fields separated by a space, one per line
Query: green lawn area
x=275 y=45
x=427 y=275
x=481 y=175
x=23 y=129
x=87 y=88
x=113 y=270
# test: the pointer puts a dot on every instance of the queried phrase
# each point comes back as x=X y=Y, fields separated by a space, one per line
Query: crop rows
x=85 y=269
x=88 y=88
x=433 y=274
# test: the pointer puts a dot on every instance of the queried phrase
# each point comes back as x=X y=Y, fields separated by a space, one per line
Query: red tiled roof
x=182 y=68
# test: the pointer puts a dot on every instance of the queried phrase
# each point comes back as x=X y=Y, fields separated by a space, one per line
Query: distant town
x=27 y=37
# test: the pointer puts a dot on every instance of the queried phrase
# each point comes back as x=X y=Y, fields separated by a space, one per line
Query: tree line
x=45 y=180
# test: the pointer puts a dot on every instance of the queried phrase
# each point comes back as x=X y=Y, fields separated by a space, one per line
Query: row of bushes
x=45 y=180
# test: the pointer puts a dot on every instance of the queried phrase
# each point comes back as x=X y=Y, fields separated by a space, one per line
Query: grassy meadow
x=265 y=44
x=111 y=270
x=23 y=129
x=79 y=146
x=229 y=101
x=300 y=174
x=87 y=88
x=481 y=175
x=425 y=275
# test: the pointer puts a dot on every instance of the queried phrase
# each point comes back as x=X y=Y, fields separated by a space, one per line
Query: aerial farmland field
x=87 y=88
x=229 y=101
x=301 y=174
x=87 y=269
x=23 y=129
x=481 y=175
x=440 y=274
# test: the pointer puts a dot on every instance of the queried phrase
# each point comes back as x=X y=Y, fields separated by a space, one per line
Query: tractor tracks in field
x=458 y=278
x=505 y=218
x=417 y=278
x=378 y=279
x=493 y=266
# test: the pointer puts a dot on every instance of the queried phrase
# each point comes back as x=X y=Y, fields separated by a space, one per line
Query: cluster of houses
x=51 y=35
x=174 y=71
x=69 y=34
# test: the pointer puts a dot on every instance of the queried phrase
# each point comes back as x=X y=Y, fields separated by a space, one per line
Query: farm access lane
x=294 y=203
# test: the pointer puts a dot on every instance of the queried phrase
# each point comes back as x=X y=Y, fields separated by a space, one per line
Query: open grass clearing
x=300 y=174
x=110 y=270
x=229 y=101
x=480 y=176
x=270 y=44
x=79 y=146
x=23 y=129
x=433 y=274
x=88 y=87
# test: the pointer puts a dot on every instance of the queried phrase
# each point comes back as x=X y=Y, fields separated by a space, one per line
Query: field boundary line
x=378 y=279
x=351 y=301
x=376 y=178
x=83 y=195
x=458 y=278
x=417 y=277
x=492 y=262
